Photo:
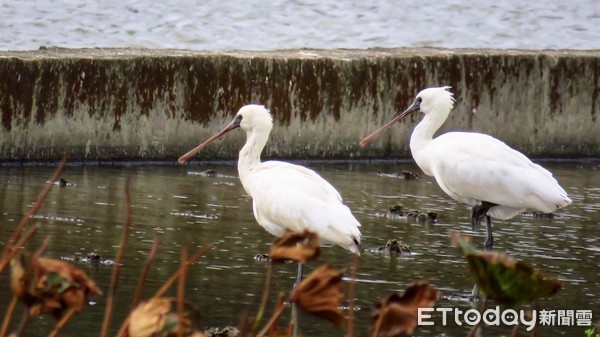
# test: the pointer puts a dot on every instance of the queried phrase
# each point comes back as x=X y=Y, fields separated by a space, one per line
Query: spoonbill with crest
x=287 y=196
x=476 y=169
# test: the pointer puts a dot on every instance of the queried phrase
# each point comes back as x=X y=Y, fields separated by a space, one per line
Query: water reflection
x=183 y=208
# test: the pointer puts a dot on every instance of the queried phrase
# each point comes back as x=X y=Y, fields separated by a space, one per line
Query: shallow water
x=282 y=24
x=183 y=208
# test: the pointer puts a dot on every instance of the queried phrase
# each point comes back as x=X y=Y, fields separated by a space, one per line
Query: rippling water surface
x=181 y=207
x=281 y=24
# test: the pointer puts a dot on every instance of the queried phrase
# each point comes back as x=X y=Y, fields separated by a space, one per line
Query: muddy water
x=183 y=208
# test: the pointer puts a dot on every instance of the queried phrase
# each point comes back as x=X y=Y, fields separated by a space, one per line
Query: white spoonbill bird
x=287 y=196
x=476 y=169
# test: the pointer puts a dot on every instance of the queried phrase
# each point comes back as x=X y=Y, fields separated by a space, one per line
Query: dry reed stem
x=60 y=324
x=351 y=293
x=272 y=322
x=42 y=247
x=180 y=292
x=140 y=285
x=265 y=297
x=10 y=248
x=115 y=274
x=12 y=252
x=8 y=315
x=123 y=331
x=174 y=277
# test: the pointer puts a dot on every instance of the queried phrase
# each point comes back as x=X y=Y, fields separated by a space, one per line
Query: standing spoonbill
x=287 y=196
x=476 y=169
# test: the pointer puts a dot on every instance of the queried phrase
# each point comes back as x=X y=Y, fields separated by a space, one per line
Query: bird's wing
x=293 y=197
x=473 y=166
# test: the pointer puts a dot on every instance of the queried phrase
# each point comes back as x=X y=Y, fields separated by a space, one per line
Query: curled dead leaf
x=508 y=281
x=50 y=286
x=298 y=247
x=158 y=317
x=321 y=294
x=502 y=278
x=396 y=315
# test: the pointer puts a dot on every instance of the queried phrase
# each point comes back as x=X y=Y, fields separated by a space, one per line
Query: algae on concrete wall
x=138 y=104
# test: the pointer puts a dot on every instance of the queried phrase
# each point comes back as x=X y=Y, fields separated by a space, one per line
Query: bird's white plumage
x=292 y=197
x=286 y=196
x=473 y=167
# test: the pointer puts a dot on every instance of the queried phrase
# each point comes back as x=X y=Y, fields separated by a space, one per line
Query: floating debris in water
x=58 y=218
x=392 y=247
x=226 y=183
x=538 y=214
x=207 y=173
x=193 y=215
x=210 y=174
x=454 y=297
x=62 y=183
x=91 y=258
x=398 y=212
x=262 y=258
x=406 y=175
x=227 y=331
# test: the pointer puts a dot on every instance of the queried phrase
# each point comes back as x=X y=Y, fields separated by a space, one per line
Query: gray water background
x=182 y=208
x=283 y=24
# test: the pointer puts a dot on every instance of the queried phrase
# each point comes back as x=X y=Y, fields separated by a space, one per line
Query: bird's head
x=438 y=100
x=253 y=117
x=250 y=118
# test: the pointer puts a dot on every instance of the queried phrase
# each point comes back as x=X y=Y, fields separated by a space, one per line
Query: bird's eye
x=418 y=100
x=238 y=118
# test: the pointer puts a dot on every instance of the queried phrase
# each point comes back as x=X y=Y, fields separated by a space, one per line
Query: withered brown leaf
x=50 y=286
x=158 y=317
x=396 y=315
x=321 y=294
x=298 y=247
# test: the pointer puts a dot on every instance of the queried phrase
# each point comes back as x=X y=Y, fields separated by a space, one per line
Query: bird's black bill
x=414 y=107
x=233 y=125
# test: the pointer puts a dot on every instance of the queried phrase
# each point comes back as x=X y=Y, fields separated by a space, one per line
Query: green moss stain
x=142 y=106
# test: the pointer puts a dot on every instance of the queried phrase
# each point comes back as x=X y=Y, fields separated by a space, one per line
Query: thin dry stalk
x=351 y=293
x=10 y=245
x=243 y=325
x=8 y=315
x=115 y=273
x=173 y=278
x=514 y=330
x=123 y=331
x=180 y=291
x=265 y=297
x=42 y=247
x=12 y=252
x=60 y=324
x=140 y=285
x=271 y=324
x=475 y=327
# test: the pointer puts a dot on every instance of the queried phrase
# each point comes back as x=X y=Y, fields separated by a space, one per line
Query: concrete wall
x=109 y=104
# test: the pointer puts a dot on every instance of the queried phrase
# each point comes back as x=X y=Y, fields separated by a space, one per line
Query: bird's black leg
x=478 y=212
x=489 y=242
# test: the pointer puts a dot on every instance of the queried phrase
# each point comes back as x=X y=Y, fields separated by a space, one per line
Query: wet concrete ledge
x=138 y=104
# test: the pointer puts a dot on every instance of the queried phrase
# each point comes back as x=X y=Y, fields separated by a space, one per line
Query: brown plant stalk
x=11 y=247
x=8 y=315
x=140 y=285
x=265 y=297
x=180 y=292
x=351 y=293
x=61 y=323
x=272 y=321
x=123 y=331
x=115 y=273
